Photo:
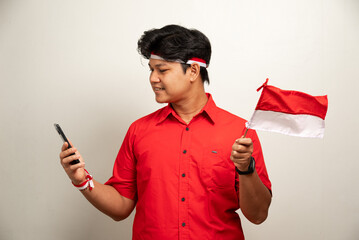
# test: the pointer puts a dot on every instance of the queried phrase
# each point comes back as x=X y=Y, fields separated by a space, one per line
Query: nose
x=154 y=77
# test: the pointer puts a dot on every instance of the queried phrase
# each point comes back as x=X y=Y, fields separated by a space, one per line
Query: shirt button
x=183 y=199
x=183 y=174
x=183 y=224
x=187 y=129
x=184 y=151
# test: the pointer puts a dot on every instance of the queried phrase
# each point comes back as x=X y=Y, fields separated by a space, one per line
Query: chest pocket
x=217 y=169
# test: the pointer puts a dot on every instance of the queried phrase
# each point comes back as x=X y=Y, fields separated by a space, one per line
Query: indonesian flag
x=289 y=112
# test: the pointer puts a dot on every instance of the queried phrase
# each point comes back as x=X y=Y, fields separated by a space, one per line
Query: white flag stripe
x=300 y=125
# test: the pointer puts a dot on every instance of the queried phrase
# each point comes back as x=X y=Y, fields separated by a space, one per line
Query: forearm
x=108 y=200
x=255 y=198
x=103 y=197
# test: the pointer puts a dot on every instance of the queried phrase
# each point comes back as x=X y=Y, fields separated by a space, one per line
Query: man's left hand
x=242 y=150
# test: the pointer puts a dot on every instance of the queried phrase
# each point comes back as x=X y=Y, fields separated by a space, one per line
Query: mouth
x=156 y=89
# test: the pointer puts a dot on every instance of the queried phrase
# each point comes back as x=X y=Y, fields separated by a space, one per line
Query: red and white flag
x=289 y=112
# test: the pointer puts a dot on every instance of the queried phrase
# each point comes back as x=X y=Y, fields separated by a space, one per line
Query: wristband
x=86 y=184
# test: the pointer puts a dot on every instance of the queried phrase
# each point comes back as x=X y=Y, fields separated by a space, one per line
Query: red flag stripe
x=292 y=102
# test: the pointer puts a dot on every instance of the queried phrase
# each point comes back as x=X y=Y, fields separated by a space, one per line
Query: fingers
x=242 y=150
x=71 y=168
x=240 y=157
x=243 y=145
x=71 y=157
x=66 y=152
x=68 y=155
x=64 y=146
x=244 y=141
x=70 y=142
x=76 y=172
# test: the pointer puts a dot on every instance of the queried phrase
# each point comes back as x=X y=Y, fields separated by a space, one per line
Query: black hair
x=174 y=42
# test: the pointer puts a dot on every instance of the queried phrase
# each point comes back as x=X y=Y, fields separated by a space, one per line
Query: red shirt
x=181 y=175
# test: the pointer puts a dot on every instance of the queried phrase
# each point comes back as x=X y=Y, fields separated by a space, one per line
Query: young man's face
x=168 y=81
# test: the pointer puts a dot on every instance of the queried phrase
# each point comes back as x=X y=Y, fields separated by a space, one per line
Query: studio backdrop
x=75 y=63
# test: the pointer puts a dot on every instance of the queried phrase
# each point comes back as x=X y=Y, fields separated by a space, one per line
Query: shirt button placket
x=183 y=190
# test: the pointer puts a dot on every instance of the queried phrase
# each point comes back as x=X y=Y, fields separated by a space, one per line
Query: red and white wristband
x=86 y=184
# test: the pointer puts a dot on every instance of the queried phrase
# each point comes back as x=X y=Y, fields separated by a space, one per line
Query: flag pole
x=245 y=133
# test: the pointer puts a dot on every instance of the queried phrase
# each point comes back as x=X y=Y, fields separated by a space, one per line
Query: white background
x=74 y=62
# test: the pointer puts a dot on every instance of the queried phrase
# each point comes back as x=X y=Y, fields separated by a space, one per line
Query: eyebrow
x=158 y=65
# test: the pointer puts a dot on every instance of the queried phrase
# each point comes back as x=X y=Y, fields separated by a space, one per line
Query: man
x=185 y=167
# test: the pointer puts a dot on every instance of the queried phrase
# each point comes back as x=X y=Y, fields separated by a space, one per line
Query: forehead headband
x=200 y=61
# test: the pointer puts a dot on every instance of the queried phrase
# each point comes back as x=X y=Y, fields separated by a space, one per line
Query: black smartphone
x=64 y=138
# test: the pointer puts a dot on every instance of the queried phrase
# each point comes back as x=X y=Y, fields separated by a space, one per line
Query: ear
x=194 y=71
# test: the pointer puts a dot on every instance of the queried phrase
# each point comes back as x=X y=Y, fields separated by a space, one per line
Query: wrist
x=79 y=182
x=243 y=166
x=84 y=184
x=249 y=170
x=79 y=176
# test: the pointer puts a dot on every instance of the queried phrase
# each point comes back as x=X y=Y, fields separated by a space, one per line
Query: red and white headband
x=199 y=61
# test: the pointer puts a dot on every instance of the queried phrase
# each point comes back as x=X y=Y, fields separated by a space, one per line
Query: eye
x=162 y=70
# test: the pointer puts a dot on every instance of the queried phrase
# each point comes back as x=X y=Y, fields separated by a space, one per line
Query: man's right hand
x=75 y=172
x=104 y=197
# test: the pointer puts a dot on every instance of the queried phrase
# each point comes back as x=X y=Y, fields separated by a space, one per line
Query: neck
x=190 y=107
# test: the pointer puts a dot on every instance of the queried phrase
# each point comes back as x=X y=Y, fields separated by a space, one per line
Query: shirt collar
x=209 y=111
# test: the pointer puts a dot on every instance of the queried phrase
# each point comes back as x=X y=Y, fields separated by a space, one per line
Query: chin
x=161 y=100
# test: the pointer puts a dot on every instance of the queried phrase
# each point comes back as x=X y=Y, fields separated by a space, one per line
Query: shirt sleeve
x=258 y=157
x=124 y=176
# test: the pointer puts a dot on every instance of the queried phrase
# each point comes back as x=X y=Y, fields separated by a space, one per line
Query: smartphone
x=64 y=138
